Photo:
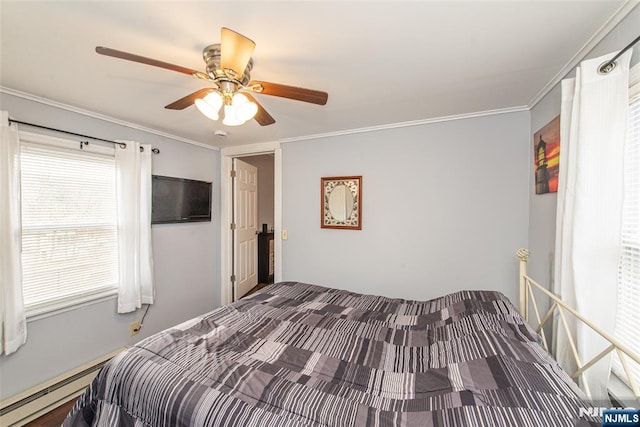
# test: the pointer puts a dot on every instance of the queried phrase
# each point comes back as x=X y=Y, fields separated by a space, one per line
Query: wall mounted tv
x=180 y=200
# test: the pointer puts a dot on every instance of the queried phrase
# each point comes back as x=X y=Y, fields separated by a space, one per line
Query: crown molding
x=103 y=117
x=408 y=124
x=268 y=146
x=599 y=35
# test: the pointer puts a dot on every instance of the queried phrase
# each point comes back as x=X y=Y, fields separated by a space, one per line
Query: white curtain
x=590 y=192
x=133 y=192
x=13 y=332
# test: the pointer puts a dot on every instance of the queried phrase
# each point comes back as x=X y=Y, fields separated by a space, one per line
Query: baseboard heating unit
x=24 y=407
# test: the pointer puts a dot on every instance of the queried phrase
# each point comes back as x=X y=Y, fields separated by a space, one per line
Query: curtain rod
x=608 y=66
x=121 y=144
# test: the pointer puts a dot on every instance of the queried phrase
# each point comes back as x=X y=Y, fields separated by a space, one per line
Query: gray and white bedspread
x=303 y=355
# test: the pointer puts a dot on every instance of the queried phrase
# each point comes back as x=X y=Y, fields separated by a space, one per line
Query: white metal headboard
x=527 y=286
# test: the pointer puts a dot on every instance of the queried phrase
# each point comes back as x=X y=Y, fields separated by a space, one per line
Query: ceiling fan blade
x=188 y=100
x=291 y=92
x=262 y=117
x=154 y=62
x=236 y=51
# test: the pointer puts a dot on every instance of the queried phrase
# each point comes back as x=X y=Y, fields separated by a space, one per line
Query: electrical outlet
x=134 y=328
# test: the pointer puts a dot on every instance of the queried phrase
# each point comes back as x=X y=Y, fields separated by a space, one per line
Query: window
x=69 y=232
x=628 y=315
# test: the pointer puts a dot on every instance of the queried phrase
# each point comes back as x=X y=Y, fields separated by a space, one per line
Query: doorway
x=244 y=227
x=267 y=158
x=254 y=253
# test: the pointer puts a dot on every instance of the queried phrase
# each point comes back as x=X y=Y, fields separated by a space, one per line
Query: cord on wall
x=142 y=320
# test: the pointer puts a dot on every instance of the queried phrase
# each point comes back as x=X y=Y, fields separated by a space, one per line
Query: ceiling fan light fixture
x=247 y=111
x=243 y=108
x=228 y=68
x=210 y=105
x=239 y=110
x=236 y=53
x=230 y=117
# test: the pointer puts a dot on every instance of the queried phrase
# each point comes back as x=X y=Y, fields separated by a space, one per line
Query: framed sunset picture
x=546 y=157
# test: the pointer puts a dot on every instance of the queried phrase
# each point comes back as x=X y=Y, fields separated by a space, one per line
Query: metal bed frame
x=527 y=296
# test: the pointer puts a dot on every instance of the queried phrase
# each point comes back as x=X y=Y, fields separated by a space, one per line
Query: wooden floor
x=257 y=288
x=53 y=418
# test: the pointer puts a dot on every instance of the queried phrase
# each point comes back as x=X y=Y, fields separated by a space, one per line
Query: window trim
x=43 y=310
x=67 y=144
x=617 y=385
x=50 y=308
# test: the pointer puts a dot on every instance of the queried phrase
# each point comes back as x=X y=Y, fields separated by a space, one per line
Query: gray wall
x=264 y=163
x=542 y=208
x=445 y=207
x=186 y=256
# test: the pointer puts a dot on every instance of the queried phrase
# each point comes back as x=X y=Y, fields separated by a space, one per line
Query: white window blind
x=69 y=233
x=628 y=315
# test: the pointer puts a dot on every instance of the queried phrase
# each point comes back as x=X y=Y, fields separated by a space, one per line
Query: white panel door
x=245 y=206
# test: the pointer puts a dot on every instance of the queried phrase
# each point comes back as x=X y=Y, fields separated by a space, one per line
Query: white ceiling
x=381 y=62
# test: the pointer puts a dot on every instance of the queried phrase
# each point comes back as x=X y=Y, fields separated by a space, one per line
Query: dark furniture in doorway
x=265 y=258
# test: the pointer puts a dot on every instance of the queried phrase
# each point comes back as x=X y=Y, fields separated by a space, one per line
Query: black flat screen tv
x=179 y=200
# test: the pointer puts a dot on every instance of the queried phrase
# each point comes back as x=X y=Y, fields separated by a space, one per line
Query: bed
x=297 y=354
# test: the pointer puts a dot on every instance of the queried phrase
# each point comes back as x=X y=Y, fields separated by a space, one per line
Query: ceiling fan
x=228 y=67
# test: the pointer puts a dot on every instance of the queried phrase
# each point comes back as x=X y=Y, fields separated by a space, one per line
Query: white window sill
x=621 y=392
x=43 y=311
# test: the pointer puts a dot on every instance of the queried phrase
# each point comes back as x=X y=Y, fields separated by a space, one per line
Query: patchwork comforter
x=296 y=354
